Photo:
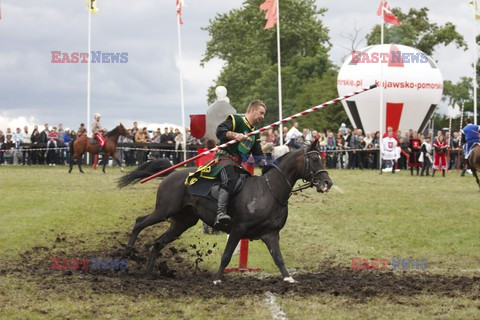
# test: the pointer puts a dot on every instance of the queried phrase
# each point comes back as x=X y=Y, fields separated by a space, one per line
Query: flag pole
x=182 y=102
x=88 y=68
x=381 y=95
x=279 y=71
x=475 y=62
x=300 y=114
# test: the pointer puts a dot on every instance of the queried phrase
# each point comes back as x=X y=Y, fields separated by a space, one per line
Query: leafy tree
x=459 y=93
x=417 y=31
x=455 y=94
x=250 y=55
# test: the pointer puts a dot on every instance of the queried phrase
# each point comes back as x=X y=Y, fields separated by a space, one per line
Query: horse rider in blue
x=470 y=137
x=228 y=161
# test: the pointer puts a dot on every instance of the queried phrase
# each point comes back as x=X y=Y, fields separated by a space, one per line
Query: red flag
x=388 y=16
x=271 y=15
x=179 y=10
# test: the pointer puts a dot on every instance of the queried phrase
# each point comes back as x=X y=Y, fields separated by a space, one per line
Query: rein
x=307 y=170
x=285 y=203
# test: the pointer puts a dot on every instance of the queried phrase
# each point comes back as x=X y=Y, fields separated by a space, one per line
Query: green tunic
x=232 y=155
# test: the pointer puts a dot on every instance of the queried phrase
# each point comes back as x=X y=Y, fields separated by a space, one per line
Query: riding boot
x=223 y=198
x=101 y=150
x=463 y=173
x=443 y=173
x=433 y=173
x=418 y=170
x=411 y=171
x=423 y=170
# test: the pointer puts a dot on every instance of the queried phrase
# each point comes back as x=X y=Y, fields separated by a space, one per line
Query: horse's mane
x=113 y=131
x=284 y=156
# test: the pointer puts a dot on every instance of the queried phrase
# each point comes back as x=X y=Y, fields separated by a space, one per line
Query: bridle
x=309 y=177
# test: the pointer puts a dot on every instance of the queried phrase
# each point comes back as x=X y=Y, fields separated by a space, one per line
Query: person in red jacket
x=440 y=161
x=414 y=146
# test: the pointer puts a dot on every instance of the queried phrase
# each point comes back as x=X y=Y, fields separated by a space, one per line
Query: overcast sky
x=146 y=89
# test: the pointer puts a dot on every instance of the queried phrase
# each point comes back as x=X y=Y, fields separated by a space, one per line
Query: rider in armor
x=231 y=157
x=97 y=131
x=470 y=137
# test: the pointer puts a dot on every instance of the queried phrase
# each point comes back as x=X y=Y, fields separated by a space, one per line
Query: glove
x=264 y=165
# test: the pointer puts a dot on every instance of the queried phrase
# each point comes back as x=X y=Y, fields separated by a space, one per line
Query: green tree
x=250 y=56
x=455 y=94
x=459 y=93
x=417 y=31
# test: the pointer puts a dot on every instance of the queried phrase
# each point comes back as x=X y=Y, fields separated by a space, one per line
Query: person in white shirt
x=292 y=135
x=389 y=151
x=18 y=139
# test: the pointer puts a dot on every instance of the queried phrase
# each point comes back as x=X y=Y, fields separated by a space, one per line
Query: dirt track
x=178 y=276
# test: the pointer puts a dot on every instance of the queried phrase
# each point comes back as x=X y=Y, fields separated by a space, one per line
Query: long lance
x=275 y=124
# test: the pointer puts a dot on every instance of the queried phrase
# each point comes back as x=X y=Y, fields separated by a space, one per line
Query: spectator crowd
x=349 y=148
x=51 y=145
x=346 y=148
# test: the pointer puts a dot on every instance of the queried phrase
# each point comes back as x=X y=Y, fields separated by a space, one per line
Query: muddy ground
x=179 y=273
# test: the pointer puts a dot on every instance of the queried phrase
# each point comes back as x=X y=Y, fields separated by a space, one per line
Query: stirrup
x=222 y=218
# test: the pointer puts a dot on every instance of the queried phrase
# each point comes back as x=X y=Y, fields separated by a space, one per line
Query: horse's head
x=122 y=131
x=313 y=170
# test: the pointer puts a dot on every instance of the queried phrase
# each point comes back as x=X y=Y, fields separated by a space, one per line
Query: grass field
x=45 y=213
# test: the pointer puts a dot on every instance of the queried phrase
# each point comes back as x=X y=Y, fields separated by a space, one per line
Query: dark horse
x=82 y=144
x=258 y=211
x=474 y=161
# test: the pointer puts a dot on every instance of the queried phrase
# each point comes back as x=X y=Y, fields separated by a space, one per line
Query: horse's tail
x=145 y=170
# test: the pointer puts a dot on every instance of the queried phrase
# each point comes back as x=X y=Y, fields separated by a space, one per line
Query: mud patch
x=179 y=273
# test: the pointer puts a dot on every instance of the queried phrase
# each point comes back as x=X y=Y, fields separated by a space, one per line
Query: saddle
x=208 y=188
x=468 y=152
x=93 y=140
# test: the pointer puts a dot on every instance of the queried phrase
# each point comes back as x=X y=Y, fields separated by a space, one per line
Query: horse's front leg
x=105 y=161
x=120 y=163
x=232 y=243
x=272 y=240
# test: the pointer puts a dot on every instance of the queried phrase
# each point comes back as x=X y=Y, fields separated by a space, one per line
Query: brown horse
x=474 y=161
x=82 y=144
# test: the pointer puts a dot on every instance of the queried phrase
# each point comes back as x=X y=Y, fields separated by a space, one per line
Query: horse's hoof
x=215 y=282
x=290 y=280
x=127 y=253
